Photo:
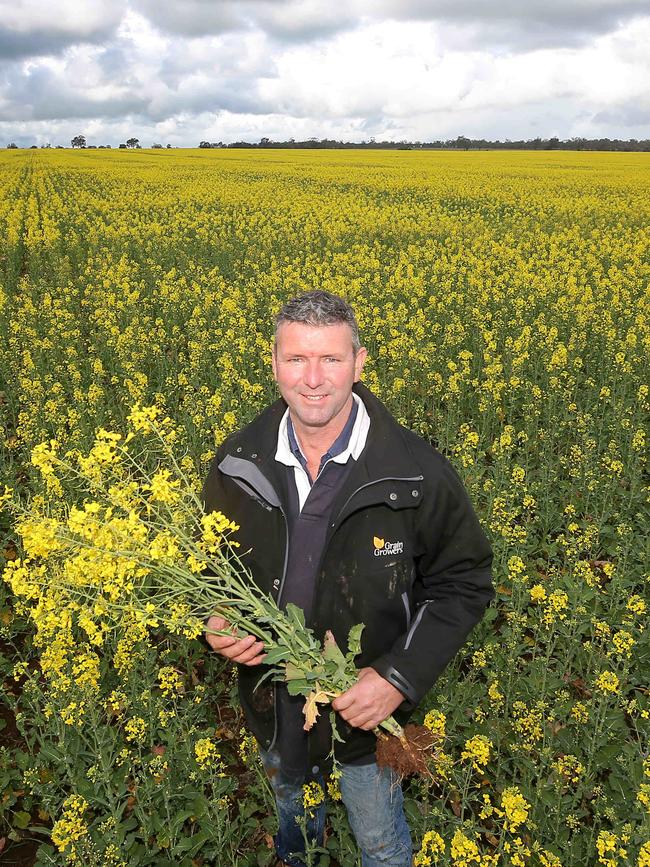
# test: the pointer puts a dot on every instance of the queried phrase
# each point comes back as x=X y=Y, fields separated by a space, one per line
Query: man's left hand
x=369 y=702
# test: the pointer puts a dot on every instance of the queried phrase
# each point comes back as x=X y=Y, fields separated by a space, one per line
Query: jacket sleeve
x=213 y=496
x=452 y=588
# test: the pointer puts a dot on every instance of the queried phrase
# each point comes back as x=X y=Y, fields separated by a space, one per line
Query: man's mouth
x=314 y=397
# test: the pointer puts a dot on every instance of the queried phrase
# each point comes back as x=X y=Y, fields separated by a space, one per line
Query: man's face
x=315 y=368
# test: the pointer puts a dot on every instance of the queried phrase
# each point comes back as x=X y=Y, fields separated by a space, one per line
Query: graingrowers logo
x=383 y=548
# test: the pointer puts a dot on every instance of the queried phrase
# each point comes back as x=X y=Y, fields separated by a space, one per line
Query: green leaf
x=293 y=671
x=276 y=654
x=186 y=844
x=335 y=733
x=22 y=819
x=605 y=754
x=298 y=687
x=331 y=651
x=200 y=806
x=295 y=614
x=354 y=640
x=179 y=819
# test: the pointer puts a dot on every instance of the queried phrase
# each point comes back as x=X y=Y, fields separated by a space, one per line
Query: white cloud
x=277 y=68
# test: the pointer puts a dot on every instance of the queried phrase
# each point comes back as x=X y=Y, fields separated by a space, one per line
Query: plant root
x=407 y=754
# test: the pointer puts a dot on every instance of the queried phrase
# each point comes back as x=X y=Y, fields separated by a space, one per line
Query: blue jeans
x=373 y=799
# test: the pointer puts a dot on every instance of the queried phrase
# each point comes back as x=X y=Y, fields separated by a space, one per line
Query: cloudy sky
x=179 y=71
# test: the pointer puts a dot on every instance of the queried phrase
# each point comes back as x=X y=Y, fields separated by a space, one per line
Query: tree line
x=460 y=143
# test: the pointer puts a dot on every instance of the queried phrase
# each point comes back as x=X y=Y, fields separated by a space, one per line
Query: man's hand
x=246 y=651
x=369 y=702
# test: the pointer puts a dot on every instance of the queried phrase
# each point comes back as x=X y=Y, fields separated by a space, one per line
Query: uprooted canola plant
x=503 y=298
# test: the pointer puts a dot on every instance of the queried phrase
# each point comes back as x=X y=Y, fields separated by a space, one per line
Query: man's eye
x=331 y=359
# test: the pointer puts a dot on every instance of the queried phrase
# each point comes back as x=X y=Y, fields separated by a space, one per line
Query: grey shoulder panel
x=245 y=471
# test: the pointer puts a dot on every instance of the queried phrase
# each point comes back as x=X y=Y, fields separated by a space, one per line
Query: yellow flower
x=607 y=681
x=537 y=593
x=164 y=489
x=580 y=713
x=644 y=855
x=609 y=851
x=636 y=605
x=569 y=769
x=135 y=729
x=515 y=807
x=623 y=643
x=436 y=721
x=496 y=697
x=312 y=795
x=44 y=458
x=143 y=418
x=71 y=826
x=477 y=750
x=643 y=796
x=431 y=850
x=170 y=680
x=464 y=851
x=208 y=758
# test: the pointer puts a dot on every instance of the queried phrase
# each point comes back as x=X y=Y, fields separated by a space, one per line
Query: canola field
x=504 y=301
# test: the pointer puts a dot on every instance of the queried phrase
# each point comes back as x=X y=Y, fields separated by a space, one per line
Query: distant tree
x=46 y=145
x=12 y=145
x=156 y=145
x=132 y=142
x=265 y=142
x=169 y=146
x=33 y=147
x=79 y=141
x=123 y=146
x=204 y=144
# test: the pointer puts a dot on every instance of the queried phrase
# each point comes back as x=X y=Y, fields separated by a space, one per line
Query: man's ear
x=359 y=361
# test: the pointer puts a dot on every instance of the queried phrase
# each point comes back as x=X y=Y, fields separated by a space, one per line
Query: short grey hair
x=319 y=308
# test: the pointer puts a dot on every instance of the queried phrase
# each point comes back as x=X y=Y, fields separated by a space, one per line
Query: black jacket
x=405 y=555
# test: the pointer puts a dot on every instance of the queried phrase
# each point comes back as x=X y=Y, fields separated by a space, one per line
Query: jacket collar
x=386 y=453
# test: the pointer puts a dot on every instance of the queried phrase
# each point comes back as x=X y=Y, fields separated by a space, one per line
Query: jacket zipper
x=280 y=589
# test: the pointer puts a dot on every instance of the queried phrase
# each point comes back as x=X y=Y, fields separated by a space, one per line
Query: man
x=357 y=520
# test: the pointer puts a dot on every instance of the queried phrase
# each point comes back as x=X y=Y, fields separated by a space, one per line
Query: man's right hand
x=246 y=651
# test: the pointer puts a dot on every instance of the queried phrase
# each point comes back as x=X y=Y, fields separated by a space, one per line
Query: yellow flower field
x=503 y=297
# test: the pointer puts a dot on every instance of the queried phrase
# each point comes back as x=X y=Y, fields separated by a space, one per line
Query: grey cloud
x=194 y=17
x=630 y=114
x=587 y=16
x=513 y=25
x=507 y=24
x=41 y=94
x=239 y=96
x=28 y=30
x=286 y=20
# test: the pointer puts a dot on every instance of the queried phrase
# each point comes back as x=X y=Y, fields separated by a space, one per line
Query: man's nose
x=313 y=376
